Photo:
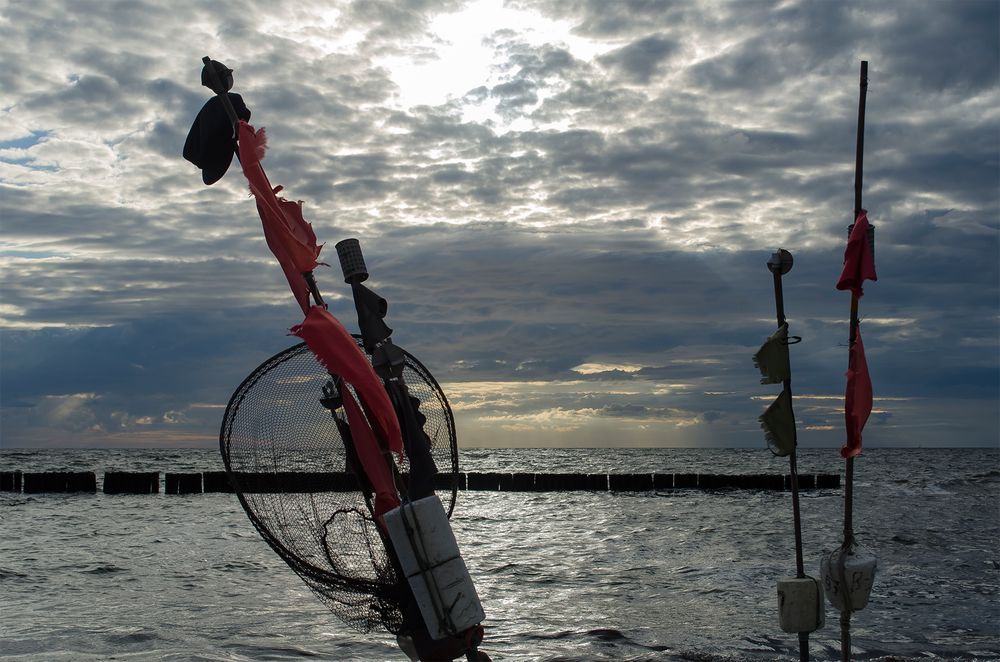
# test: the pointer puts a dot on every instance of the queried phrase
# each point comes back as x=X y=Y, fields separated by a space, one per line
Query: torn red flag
x=293 y=242
x=859 y=262
x=370 y=456
x=289 y=236
x=340 y=354
x=858 y=399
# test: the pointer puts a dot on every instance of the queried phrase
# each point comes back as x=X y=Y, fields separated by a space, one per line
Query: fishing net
x=283 y=443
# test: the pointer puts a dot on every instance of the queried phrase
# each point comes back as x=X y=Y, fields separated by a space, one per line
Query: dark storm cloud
x=543 y=64
x=641 y=59
x=951 y=48
x=603 y=19
x=808 y=40
x=389 y=22
x=515 y=95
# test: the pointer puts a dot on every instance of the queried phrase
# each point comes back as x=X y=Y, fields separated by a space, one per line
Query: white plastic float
x=429 y=556
x=848 y=576
x=800 y=604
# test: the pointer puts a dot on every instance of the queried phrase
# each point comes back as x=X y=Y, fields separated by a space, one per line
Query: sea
x=681 y=575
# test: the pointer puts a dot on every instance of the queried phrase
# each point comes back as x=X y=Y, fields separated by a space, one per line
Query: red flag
x=370 y=456
x=289 y=236
x=340 y=354
x=292 y=240
x=858 y=399
x=859 y=263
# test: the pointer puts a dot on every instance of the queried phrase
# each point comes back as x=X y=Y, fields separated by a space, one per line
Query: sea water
x=679 y=575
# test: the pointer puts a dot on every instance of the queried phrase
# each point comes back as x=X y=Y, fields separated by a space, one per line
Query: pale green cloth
x=778 y=423
x=772 y=357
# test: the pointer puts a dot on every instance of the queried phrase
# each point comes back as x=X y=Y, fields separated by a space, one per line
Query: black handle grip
x=352 y=261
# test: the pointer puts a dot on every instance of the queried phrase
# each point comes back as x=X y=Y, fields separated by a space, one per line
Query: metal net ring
x=286 y=460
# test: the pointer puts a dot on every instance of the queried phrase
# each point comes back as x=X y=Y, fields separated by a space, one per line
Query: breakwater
x=148 y=482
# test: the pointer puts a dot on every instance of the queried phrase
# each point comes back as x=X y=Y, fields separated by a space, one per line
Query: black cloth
x=210 y=142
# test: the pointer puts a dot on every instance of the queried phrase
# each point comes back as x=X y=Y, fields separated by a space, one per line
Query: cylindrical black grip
x=352 y=261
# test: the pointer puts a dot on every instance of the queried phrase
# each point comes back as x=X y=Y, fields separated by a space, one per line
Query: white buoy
x=800 y=604
x=848 y=576
x=428 y=554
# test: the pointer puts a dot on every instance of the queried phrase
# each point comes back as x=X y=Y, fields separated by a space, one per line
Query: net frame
x=285 y=456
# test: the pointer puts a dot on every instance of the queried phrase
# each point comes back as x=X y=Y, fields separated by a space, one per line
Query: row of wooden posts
x=148 y=482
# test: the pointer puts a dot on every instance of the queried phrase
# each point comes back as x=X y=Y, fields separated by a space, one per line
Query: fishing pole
x=387 y=420
x=456 y=613
x=388 y=361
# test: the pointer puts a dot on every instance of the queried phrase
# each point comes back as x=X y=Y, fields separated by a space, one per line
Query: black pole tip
x=780 y=262
x=216 y=76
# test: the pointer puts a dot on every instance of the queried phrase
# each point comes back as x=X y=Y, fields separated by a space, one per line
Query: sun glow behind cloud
x=460 y=55
x=586 y=412
x=595 y=368
x=321 y=32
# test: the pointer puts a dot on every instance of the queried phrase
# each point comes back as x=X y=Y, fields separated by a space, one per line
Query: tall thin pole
x=781 y=263
x=859 y=156
x=799 y=565
x=845 y=615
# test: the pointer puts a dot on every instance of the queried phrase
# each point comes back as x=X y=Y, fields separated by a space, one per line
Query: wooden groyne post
x=59 y=481
x=182 y=483
x=10 y=481
x=131 y=482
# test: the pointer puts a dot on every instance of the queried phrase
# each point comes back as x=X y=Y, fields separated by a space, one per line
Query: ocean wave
x=102 y=569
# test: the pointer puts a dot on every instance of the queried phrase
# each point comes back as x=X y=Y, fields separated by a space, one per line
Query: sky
x=568 y=204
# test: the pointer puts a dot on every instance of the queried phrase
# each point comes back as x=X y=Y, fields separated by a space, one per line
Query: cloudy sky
x=568 y=204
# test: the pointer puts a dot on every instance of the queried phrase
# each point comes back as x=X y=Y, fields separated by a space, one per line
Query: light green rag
x=772 y=357
x=778 y=423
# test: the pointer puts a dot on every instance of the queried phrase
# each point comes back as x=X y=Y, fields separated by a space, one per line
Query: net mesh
x=285 y=455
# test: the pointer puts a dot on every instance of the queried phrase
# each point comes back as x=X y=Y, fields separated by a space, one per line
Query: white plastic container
x=428 y=554
x=848 y=586
x=800 y=604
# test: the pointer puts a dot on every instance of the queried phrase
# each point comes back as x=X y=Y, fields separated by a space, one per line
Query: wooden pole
x=860 y=150
x=845 y=615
